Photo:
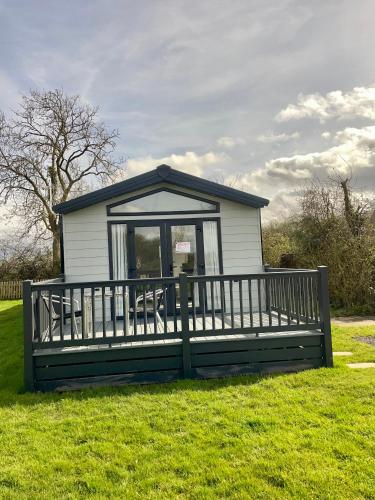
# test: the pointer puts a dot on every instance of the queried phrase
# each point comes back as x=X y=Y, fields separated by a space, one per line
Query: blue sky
x=216 y=88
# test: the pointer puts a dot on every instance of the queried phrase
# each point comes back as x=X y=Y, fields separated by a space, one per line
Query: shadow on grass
x=11 y=374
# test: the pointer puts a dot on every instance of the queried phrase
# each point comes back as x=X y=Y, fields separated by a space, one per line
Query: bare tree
x=49 y=150
x=355 y=208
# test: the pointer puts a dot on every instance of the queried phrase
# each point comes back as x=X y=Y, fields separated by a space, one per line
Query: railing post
x=267 y=288
x=324 y=308
x=28 y=323
x=184 y=306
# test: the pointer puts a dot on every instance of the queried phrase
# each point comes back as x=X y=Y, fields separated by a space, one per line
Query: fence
x=10 y=290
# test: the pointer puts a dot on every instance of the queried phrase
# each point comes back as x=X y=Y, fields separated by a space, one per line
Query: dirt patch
x=366 y=340
x=354 y=321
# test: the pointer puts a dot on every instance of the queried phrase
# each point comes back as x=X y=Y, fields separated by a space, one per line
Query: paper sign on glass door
x=182 y=246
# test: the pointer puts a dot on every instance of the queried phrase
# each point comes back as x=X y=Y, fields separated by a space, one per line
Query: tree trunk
x=352 y=217
x=347 y=203
x=56 y=253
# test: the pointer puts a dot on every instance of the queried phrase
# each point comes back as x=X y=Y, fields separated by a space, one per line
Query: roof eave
x=163 y=173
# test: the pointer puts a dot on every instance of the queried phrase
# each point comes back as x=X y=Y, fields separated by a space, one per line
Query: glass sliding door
x=146 y=260
x=184 y=249
x=147 y=243
x=184 y=255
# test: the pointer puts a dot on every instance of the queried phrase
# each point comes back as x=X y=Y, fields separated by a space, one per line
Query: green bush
x=323 y=233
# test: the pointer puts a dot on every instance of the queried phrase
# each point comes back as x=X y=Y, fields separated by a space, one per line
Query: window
x=162 y=201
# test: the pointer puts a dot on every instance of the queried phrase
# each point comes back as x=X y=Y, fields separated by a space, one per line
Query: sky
x=263 y=95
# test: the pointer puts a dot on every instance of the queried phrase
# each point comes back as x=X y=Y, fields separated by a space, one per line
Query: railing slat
x=297 y=299
x=135 y=306
x=165 y=302
x=175 y=311
x=306 y=298
x=154 y=308
x=241 y=302
x=279 y=293
x=83 y=314
x=104 y=312
x=288 y=299
x=61 y=321
x=212 y=305
x=125 y=309
x=71 y=297
x=93 y=318
x=231 y=303
x=316 y=303
x=39 y=315
x=222 y=304
x=310 y=299
x=194 y=308
x=268 y=302
x=204 y=294
x=260 y=312
x=114 y=302
x=50 y=316
x=144 y=309
x=250 y=293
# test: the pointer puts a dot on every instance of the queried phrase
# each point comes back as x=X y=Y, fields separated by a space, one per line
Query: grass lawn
x=305 y=435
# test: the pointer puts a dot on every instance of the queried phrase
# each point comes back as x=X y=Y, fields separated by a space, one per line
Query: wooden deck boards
x=209 y=323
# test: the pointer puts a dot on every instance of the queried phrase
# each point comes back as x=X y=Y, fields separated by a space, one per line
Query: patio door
x=169 y=247
x=185 y=245
x=146 y=259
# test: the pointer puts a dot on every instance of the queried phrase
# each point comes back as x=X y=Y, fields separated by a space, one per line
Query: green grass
x=305 y=435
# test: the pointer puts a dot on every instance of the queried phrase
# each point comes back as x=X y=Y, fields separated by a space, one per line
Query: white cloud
x=326 y=134
x=357 y=103
x=230 y=142
x=277 y=138
x=282 y=178
x=189 y=162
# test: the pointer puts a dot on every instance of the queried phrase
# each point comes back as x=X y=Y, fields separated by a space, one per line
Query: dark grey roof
x=163 y=173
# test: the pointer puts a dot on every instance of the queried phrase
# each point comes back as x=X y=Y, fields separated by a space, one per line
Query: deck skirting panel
x=164 y=362
x=255 y=368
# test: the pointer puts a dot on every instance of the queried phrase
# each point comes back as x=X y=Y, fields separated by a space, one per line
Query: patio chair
x=56 y=316
x=149 y=305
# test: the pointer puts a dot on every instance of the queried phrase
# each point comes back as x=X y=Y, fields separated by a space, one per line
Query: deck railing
x=63 y=314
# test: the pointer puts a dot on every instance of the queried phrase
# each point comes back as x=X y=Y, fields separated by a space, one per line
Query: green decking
x=164 y=362
x=218 y=326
